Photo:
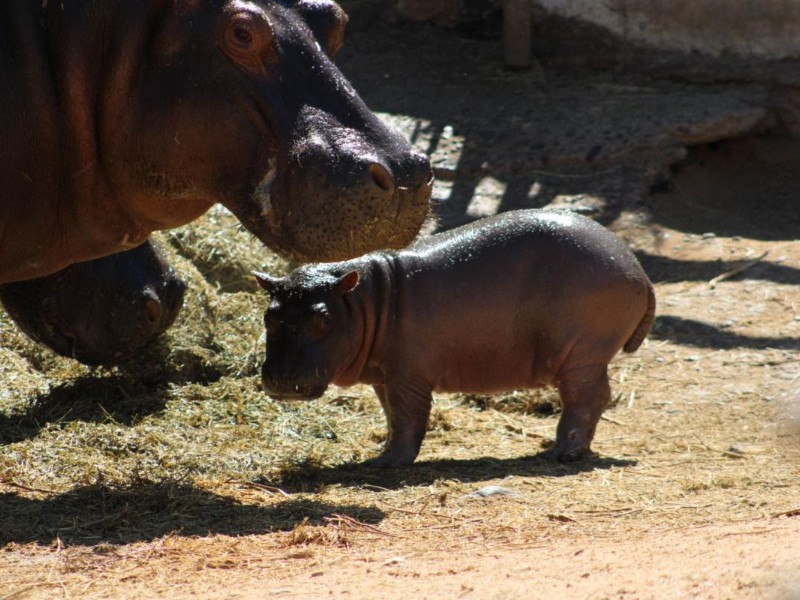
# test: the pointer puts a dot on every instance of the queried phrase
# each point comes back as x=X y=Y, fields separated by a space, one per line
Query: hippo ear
x=327 y=22
x=266 y=282
x=347 y=283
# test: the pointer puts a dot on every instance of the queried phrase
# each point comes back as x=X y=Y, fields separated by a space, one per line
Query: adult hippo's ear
x=327 y=22
x=247 y=38
x=266 y=282
x=347 y=283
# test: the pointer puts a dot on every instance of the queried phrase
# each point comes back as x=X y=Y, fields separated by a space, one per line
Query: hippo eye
x=271 y=323
x=242 y=35
x=247 y=40
x=321 y=323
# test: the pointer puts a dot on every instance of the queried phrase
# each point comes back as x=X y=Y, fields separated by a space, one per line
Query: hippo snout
x=360 y=191
x=101 y=311
x=116 y=328
x=153 y=310
x=290 y=388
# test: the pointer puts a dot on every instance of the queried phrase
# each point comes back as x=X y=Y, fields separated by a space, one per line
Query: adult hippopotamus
x=520 y=300
x=100 y=311
x=120 y=117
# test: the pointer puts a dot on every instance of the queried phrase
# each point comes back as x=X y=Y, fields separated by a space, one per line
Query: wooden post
x=517 y=33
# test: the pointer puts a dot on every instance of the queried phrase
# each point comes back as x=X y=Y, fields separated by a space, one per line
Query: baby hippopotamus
x=100 y=311
x=520 y=300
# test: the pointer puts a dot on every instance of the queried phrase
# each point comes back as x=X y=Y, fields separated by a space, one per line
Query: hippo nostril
x=381 y=177
x=419 y=168
x=152 y=308
x=423 y=192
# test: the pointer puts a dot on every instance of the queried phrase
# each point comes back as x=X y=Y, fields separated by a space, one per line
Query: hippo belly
x=491 y=367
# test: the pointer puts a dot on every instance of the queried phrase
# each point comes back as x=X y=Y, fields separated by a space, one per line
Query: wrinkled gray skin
x=520 y=300
x=101 y=311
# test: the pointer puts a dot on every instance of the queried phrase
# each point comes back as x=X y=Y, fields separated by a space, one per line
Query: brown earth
x=177 y=478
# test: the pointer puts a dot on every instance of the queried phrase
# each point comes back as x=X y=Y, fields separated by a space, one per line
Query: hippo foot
x=562 y=454
x=389 y=460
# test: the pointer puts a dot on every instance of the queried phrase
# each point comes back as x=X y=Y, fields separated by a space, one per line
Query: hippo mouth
x=353 y=226
x=69 y=346
x=343 y=226
x=294 y=392
x=61 y=343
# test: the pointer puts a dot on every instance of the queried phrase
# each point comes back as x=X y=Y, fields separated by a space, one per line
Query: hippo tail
x=643 y=328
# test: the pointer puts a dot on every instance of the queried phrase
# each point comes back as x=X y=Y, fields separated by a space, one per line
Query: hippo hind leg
x=585 y=393
x=407 y=408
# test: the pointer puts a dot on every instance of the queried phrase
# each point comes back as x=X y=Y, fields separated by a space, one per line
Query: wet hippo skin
x=520 y=300
x=121 y=118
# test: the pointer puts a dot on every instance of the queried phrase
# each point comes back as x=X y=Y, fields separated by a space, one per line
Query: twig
x=736 y=270
x=260 y=486
x=757 y=532
x=27 y=489
x=795 y=512
x=344 y=520
x=22 y=592
x=417 y=514
x=610 y=420
x=611 y=511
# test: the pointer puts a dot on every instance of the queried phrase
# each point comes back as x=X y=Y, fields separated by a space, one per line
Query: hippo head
x=285 y=142
x=101 y=311
x=310 y=332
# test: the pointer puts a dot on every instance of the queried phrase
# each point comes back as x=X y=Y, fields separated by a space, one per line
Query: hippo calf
x=100 y=311
x=520 y=300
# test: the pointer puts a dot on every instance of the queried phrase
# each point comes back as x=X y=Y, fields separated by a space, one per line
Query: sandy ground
x=756 y=560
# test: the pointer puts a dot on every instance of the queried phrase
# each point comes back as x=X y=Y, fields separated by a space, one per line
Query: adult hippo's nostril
x=172 y=300
x=417 y=171
x=382 y=178
x=152 y=308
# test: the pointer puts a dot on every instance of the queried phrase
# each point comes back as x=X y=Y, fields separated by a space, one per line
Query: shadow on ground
x=688 y=332
x=662 y=269
x=312 y=478
x=569 y=129
x=123 y=399
x=747 y=186
x=538 y=139
x=147 y=511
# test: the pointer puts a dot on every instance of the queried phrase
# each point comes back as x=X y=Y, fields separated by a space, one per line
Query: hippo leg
x=407 y=408
x=585 y=393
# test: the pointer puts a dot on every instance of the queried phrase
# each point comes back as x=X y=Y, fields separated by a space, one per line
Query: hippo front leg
x=585 y=393
x=407 y=407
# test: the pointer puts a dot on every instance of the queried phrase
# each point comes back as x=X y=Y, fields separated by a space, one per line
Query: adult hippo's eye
x=247 y=40
x=242 y=35
x=241 y=31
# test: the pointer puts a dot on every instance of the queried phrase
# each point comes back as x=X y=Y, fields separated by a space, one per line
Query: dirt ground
x=179 y=479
